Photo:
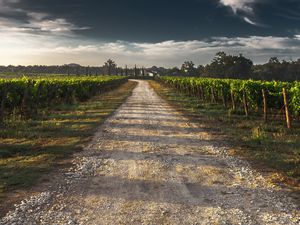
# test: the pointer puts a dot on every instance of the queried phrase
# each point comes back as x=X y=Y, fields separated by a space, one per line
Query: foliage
x=276 y=70
x=27 y=95
x=189 y=68
x=221 y=90
x=110 y=67
x=229 y=66
x=295 y=97
x=74 y=69
x=238 y=67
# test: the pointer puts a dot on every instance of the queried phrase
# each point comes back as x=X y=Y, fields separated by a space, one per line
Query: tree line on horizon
x=240 y=67
x=222 y=66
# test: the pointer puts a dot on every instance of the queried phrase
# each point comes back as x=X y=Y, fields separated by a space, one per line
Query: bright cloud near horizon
x=53 y=32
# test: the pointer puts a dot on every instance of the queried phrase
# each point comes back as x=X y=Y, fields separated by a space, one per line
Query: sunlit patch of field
x=270 y=147
x=32 y=148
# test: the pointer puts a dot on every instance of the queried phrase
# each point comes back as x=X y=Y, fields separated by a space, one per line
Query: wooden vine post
x=265 y=106
x=2 y=108
x=202 y=93
x=287 y=111
x=24 y=104
x=193 y=91
x=232 y=100
x=213 y=95
x=224 y=98
x=245 y=103
x=198 y=92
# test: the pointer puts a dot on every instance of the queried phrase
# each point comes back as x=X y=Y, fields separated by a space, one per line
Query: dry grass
x=31 y=149
x=270 y=147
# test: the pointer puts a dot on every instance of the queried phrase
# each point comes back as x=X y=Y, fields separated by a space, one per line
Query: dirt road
x=148 y=164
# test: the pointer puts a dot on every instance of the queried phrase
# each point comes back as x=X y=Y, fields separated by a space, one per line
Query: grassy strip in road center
x=270 y=147
x=30 y=149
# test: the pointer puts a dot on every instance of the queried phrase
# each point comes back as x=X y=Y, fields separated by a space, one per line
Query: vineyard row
x=249 y=94
x=25 y=96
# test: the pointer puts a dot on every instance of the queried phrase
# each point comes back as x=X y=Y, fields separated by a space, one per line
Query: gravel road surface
x=148 y=164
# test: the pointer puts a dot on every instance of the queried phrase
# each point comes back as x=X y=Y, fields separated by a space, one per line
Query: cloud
x=29 y=37
x=297 y=37
x=22 y=48
x=242 y=8
x=251 y=22
x=6 y=3
x=242 y=5
x=13 y=18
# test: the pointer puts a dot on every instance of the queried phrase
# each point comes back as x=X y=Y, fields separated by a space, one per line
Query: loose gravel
x=148 y=164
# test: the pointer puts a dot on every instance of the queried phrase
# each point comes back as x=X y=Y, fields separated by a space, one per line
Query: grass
x=270 y=147
x=30 y=149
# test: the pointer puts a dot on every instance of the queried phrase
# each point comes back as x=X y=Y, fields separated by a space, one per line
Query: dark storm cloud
x=14 y=16
x=148 y=32
x=158 y=20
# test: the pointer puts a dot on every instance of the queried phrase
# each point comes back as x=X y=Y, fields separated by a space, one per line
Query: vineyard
x=24 y=96
x=250 y=95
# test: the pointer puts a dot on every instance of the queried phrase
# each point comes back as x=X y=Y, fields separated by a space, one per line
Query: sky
x=146 y=32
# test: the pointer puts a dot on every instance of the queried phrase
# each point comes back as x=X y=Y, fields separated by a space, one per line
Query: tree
x=276 y=70
x=188 y=67
x=135 y=71
x=175 y=72
x=274 y=60
x=110 y=66
x=228 y=66
x=126 y=71
x=200 y=70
